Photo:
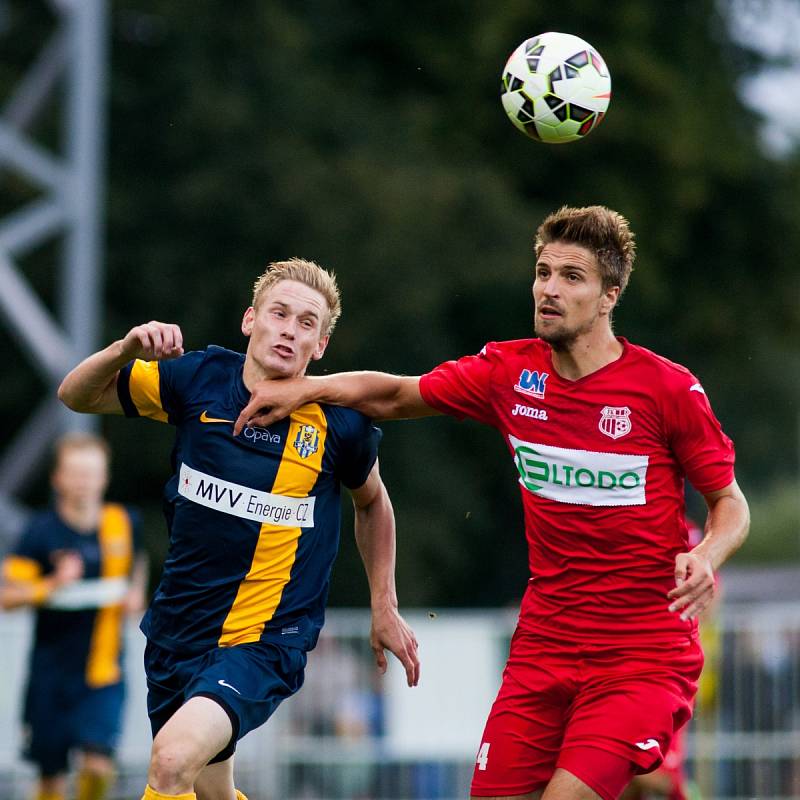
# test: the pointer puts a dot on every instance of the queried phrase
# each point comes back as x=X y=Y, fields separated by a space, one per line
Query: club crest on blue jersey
x=307 y=441
x=532 y=383
x=615 y=421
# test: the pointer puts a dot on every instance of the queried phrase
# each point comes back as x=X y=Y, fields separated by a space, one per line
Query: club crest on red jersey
x=615 y=421
x=532 y=383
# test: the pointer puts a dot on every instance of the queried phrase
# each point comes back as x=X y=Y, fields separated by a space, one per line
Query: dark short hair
x=604 y=232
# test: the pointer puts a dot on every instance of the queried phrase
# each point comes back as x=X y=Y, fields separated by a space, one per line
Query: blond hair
x=309 y=273
x=604 y=232
x=78 y=440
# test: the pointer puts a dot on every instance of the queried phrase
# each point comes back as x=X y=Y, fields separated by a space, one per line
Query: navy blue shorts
x=249 y=681
x=63 y=714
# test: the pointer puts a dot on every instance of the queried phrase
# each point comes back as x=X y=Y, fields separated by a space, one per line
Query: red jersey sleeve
x=696 y=437
x=462 y=388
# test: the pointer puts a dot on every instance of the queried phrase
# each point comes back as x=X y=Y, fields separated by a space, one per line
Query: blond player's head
x=309 y=273
x=295 y=307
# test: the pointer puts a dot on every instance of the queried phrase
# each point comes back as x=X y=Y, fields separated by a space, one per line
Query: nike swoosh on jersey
x=696 y=387
x=205 y=418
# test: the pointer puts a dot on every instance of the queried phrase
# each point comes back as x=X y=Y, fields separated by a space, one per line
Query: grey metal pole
x=86 y=83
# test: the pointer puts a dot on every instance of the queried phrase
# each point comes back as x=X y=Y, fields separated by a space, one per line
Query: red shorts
x=566 y=705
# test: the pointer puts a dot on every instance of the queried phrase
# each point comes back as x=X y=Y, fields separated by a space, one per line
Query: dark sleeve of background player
x=32 y=548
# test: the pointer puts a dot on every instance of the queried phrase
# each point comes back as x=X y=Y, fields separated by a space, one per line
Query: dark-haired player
x=254 y=524
x=605 y=659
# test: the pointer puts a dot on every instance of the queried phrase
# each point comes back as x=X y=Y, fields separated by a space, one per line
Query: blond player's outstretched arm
x=91 y=387
x=378 y=395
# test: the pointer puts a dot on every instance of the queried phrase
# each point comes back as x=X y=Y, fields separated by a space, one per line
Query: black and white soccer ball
x=556 y=88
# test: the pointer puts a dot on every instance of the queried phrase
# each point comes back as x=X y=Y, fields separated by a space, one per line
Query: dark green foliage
x=370 y=137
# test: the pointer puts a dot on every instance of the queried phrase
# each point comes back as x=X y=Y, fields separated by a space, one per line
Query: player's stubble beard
x=563 y=339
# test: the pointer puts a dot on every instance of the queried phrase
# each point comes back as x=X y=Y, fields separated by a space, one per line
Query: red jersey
x=601 y=465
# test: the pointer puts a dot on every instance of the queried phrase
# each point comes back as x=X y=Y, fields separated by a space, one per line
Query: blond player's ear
x=247 y=321
x=320 y=349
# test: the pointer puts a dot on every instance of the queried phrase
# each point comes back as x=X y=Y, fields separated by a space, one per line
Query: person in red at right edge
x=605 y=659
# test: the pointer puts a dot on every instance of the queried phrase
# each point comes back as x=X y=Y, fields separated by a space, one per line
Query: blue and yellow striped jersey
x=82 y=639
x=253 y=520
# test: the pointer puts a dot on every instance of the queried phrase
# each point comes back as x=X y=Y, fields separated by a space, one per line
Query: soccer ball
x=555 y=88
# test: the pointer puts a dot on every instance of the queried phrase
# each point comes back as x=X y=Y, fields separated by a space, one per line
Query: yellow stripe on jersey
x=21 y=569
x=115 y=537
x=262 y=588
x=145 y=390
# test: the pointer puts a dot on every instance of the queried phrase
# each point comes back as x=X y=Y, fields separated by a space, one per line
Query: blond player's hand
x=391 y=632
x=153 y=341
x=695 y=587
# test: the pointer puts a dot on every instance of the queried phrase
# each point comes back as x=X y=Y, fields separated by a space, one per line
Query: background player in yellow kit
x=76 y=564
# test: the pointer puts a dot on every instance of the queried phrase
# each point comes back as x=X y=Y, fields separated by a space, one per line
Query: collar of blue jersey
x=239 y=393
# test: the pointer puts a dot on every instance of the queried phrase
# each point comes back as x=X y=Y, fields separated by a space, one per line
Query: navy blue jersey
x=254 y=519
x=83 y=638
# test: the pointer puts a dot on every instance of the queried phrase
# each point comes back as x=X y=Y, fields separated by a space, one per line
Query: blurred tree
x=370 y=137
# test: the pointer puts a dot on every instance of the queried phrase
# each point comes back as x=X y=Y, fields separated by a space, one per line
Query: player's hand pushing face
x=153 y=341
x=270 y=401
x=695 y=586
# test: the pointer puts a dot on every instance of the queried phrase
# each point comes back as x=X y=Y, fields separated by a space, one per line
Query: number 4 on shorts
x=483 y=756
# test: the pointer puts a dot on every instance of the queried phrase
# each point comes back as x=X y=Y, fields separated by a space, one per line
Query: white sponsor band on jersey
x=88 y=593
x=244 y=502
x=581 y=477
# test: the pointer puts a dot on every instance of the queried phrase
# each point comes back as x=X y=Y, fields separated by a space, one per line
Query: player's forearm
x=140 y=573
x=375 y=538
x=88 y=384
x=378 y=395
x=135 y=599
x=28 y=593
x=726 y=527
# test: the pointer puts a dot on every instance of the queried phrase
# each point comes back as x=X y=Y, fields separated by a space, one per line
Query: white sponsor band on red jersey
x=581 y=477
